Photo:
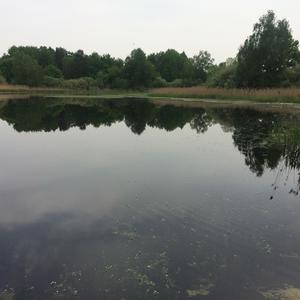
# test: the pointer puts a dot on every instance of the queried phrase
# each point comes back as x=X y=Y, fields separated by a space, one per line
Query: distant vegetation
x=270 y=57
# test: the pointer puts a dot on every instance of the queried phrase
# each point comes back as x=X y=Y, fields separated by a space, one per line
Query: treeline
x=270 y=57
x=58 y=67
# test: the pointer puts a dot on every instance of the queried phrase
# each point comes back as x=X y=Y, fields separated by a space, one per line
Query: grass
x=10 y=88
x=23 y=89
x=282 y=95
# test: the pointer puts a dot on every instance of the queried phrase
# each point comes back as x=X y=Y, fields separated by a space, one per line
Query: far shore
x=189 y=95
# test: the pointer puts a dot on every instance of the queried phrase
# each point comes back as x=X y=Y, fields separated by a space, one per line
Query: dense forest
x=270 y=57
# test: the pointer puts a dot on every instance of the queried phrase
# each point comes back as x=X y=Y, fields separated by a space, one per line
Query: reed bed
x=6 y=87
x=269 y=95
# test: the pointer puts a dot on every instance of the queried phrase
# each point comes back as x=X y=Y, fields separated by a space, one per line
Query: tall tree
x=171 y=64
x=202 y=63
x=267 y=53
x=26 y=70
x=138 y=70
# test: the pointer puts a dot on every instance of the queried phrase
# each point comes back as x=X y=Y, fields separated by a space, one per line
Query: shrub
x=52 y=81
x=119 y=83
x=224 y=76
x=159 y=82
x=176 y=83
x=83 y=83
x=26 y=70
x=52 y=71
x=293 y=75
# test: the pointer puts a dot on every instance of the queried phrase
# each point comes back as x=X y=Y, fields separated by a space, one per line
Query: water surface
x=128 y=199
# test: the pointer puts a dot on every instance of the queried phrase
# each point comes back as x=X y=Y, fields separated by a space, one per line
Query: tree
x=75 y=65
x=6 y=63
x=139 y=72
x=202 y=64
x=172 y=65
x=293 y=75
x=60 y=54
x=267 y=53
x=26 y=70
x=53 y=72
x=46 y=56
x=223 y=75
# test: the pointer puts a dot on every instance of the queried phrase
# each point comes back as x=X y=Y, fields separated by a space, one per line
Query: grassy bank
x=279 y=95
x=25 y=90
x=288 y=95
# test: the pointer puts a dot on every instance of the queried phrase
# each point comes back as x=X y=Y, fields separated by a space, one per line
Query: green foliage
x=76 y=65
x=84 y=83
x=119 y=83
x=202 y=64
x=270 y=57
x=46 y=56
x=223 y=76
x=267 y=53
x=176 y=83
x=49 y=81
x=293 y=75
x=139 y=72
x=53 y=71
x=159 y=82
x=6 y=64
x=172 y=65
x=26 y=70
x=60 y=54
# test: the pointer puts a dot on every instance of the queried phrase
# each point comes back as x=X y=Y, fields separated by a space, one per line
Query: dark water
x=124 y=199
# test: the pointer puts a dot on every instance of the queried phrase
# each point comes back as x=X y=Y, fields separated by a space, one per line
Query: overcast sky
x=118 y=26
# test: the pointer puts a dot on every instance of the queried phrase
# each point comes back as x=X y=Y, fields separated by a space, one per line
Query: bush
x=52 y=81
x=224 y=76
x=293 y=75
x=26 y=70
x=120 y=83
x=176 y=83
x=100 y=80
x=52 y=71
x=83 y=83
x=159 y=82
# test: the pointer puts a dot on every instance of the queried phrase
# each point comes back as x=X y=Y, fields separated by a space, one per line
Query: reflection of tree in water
x=32 y=115
x=287 y=139
x=251 y=130
x=267 y=140
x=137 y=114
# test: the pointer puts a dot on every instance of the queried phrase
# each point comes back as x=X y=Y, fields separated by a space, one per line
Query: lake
x=134 y=199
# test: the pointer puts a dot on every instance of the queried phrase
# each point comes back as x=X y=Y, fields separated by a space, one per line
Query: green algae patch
x=142 y=279
x=126 y=234
x=203 y=290
x=7 y=295
x=289 y=293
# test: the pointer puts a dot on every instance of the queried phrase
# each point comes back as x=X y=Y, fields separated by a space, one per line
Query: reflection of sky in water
x=172 y=214
x=91 y=171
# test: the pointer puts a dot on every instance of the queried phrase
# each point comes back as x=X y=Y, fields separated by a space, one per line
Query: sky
x=119 y=26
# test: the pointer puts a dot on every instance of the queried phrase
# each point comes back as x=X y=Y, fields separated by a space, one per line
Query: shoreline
x=291 y=107
x=192 y=94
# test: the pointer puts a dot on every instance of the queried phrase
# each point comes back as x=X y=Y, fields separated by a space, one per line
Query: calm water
x=124 y=199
